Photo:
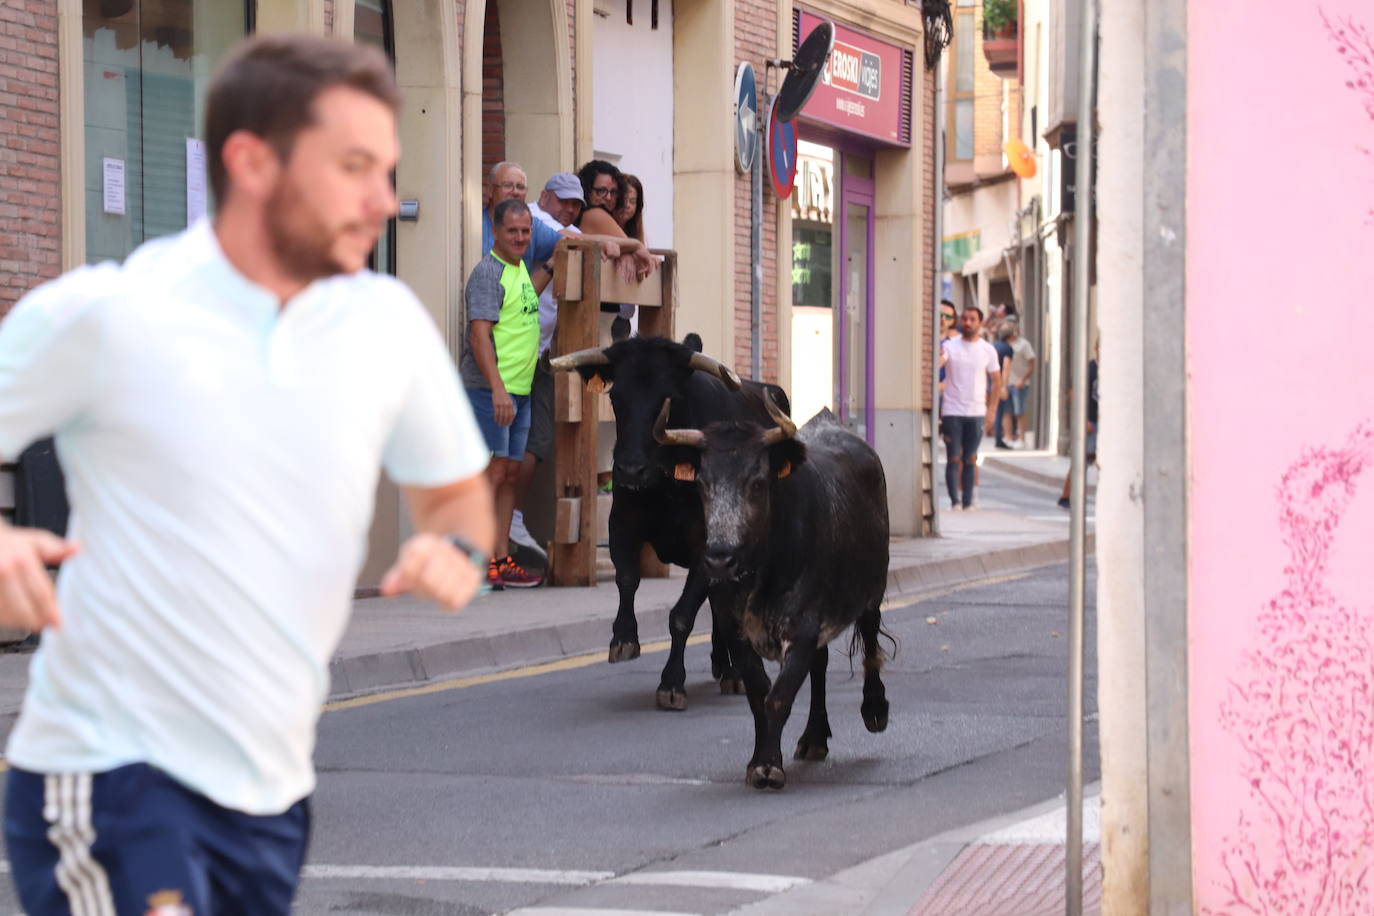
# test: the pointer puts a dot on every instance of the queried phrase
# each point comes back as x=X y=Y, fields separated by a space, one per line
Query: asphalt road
x=574 y=774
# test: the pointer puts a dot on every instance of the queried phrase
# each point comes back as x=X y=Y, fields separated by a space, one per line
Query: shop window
x=147 y=67
x=372 y=25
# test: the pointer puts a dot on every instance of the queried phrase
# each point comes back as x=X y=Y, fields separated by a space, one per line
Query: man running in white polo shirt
x=222 y=403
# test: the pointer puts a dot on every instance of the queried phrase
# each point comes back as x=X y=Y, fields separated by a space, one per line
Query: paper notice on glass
x=195 y=179
x=114 y=186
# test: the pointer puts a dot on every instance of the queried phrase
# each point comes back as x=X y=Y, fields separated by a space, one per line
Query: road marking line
x=730 y=880
x=586 y=911
x=453 y=873
x=562 y=664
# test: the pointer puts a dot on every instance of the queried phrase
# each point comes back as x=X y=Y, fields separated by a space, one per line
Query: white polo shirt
x=221 y=456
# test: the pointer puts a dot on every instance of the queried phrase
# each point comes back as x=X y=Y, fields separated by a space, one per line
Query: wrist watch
x=476 y=557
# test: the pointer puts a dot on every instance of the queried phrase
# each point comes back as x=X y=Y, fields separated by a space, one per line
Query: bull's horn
x=591 y=357
x=665 y=436
x=785 y=429
x=715 y=367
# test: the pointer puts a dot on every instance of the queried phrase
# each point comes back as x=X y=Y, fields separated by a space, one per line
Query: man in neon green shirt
x=498 y=368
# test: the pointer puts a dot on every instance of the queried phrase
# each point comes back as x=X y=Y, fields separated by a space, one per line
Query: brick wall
x=755 y=41
x=493 y=92
x=30 y=166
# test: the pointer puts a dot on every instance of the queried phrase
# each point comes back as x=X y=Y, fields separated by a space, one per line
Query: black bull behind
x=650 y=506
x=797 y=551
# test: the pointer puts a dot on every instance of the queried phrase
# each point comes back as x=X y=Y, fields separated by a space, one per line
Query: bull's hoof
x=717 y=669
x=808 y=750
x=672 y=698
x=732 y=685
x=765 y=776
x=623 y=650
x=875 y=716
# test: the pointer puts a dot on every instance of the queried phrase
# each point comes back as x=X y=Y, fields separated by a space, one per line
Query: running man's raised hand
x=27 y=600
x=429 y=566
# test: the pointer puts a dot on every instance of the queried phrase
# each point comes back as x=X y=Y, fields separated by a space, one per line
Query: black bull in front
x=797 y=553
x=649 y=505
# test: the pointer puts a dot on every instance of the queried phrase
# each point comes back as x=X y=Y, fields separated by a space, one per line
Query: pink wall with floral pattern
x=1280 y=330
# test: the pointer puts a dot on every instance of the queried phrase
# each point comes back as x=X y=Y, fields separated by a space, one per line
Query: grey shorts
x=540 y=443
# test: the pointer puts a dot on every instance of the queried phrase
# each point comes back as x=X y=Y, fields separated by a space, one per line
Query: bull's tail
x=867 y=638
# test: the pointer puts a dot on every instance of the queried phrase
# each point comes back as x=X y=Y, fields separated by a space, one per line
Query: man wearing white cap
x=558 y=206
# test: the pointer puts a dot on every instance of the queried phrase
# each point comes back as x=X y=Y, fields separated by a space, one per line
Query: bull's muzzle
x=720 y=563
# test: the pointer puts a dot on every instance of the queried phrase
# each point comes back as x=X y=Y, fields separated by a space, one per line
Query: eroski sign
x=854 y=69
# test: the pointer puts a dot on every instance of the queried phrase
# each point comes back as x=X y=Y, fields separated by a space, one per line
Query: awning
x=983 y=260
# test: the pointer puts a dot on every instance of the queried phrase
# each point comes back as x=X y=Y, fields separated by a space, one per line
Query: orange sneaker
x=513 y=575
x=494 y=576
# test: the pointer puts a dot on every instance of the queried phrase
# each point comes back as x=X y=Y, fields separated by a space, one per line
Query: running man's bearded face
x=973 y=323
x=333 y=194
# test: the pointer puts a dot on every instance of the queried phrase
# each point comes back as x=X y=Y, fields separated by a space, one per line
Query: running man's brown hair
x=269 y=84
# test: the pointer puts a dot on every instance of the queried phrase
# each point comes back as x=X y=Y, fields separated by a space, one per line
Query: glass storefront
x=147 y=66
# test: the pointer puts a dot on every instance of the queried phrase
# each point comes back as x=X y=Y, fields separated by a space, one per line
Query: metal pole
x=756 y=242
x=1078 y=418
x=937 y=191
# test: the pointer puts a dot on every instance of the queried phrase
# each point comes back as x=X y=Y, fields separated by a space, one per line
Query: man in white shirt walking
x=972 y=374
x=221 y=403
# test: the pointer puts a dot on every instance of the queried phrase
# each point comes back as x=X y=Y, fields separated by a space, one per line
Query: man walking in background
x=1022 y=368
x=970 y=365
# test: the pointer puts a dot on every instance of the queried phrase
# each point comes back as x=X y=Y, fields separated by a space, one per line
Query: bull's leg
x=874 y=708
x=627 y=541
x=756 y=687
x=814 y=743
x=672 y=685
x=765 y=770
x=723 y=665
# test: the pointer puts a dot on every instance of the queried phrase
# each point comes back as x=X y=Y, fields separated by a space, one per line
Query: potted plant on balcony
x=1000 y=43
x=999 y=19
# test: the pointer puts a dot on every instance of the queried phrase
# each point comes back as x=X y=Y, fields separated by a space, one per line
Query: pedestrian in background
x=223 y=402
x=971 y=371
x=502 y=321
x=1090 y=440
x=1004 y=358
x=1022 y=368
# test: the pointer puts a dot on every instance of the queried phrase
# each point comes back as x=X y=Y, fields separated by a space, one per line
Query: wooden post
x=581 y=285
x=577 y=273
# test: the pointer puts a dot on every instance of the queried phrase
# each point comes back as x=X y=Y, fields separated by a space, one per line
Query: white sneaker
x=521 y=535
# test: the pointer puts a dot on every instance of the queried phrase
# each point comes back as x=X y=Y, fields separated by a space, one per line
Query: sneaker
x=1063 y=502
x=521 y=535
x=513 y=575
x=494 y=576
x=1001 y=444
x=955 y=507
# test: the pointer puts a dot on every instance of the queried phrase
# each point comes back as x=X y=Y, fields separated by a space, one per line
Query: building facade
x=100 y=149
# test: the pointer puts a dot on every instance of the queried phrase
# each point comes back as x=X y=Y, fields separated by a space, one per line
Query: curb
x=398 y=668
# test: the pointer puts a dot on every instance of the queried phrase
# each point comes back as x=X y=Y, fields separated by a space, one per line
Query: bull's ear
x=598 y=378
x=679 y=462
x=785 y=457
